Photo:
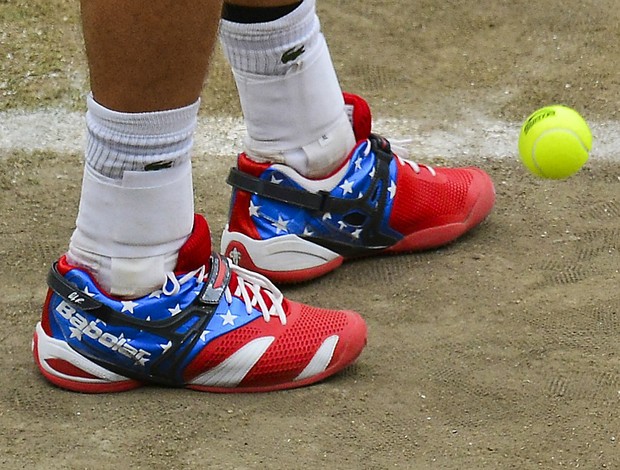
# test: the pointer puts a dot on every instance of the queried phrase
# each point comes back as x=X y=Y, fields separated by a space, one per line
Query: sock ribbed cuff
x=271 y=48
x=119 y=142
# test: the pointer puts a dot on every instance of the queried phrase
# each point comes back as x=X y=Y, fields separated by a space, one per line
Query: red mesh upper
x=423 y=200
x=295 y=345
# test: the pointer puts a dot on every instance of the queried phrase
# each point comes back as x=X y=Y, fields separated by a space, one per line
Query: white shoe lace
x=250 y=288
x=402 y=155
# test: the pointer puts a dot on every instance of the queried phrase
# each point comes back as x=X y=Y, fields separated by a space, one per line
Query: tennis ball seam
x=548 y=131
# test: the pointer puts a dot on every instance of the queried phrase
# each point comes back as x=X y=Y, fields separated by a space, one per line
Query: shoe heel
x=273 y=256
x=67 y=369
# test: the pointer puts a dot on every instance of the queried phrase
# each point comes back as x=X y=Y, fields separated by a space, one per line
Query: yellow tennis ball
x=555 y=142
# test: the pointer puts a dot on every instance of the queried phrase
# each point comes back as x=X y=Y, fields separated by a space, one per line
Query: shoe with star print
x=292 y=229
x=212 y=327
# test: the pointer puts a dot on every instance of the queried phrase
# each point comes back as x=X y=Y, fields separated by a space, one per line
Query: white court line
x=62 y=131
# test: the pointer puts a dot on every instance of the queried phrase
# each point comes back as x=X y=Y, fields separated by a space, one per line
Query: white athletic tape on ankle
x=291 y=111
x=131 y=277
x=323 y=156
x=147 y=213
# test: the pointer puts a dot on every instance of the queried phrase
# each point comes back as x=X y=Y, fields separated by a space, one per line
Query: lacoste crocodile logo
x=292 y=54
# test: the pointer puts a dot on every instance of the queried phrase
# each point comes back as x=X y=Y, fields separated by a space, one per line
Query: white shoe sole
x=287 y=258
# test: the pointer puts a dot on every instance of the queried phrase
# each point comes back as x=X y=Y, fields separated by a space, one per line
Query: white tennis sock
x=118 y=142
x=136 y=206
x=289 y=92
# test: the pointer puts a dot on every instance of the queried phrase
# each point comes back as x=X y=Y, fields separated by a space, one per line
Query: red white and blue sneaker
x=291 y=228
x=212 y=327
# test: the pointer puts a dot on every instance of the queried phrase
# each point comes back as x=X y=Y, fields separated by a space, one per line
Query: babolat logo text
x=81 y=327
x=76 y=298
x=543 y=114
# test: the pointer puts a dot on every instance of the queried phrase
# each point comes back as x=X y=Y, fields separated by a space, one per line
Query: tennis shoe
x=212 y=327
x=291 y=228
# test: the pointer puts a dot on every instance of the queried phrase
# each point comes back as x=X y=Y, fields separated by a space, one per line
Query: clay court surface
x=498 y=351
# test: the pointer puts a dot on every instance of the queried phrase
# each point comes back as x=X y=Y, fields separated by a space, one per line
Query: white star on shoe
x=175 y=310
x=229 y=318
x=280 y=225
x=275 y=180
x=347 y=187
x=392 y=189
x=254 y=209
x=358 y=163
x=341 y=225
x=166 y=346
x=128 y=306
x=356 y=233
x=307 y=232
x=87 y=292
x=156 y=294
x=75 y=333
x=203 y=336
x=327 y=216
x=372 y=172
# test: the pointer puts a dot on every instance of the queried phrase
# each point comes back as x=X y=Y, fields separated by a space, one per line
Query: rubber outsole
x=427 y=239
x=69 y=370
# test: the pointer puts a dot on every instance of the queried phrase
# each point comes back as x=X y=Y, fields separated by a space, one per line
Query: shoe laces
x=251 y=288
x=402 y=154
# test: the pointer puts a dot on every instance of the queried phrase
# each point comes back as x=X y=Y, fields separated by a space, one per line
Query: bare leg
x=148 y=55
x=148 y=61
